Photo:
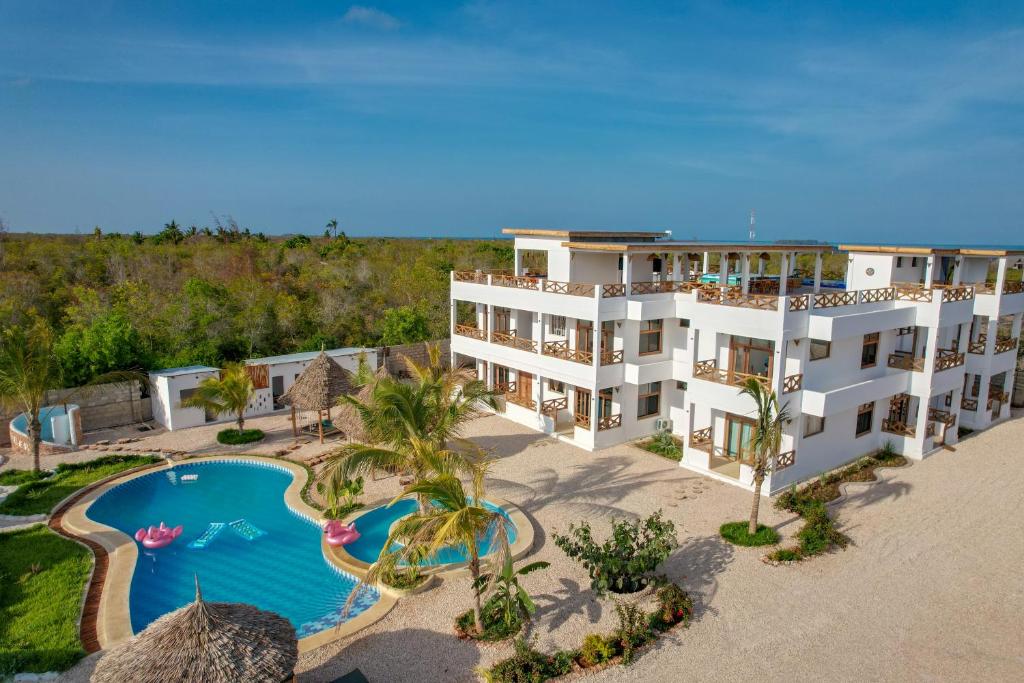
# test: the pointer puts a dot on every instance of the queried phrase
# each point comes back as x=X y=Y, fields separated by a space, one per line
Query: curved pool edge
x=519 y=549
x=113 y=617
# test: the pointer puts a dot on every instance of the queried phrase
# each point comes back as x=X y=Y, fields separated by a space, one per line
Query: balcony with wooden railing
x=516 y=281
x=793 y=383
x=581 y=420
x=569 y=288
x=701 y=440
x=551 y=406
x=910 y=291
x=801 y=302
x=893 y=426
x=944 y=416
x=1014 y=287
x=709 y=370
x=611 y=357
x=948 y=358
x=561 y=349
x=904 y=360
x=1005 y=344
x=514 y=342
x=609 y=422
x=970 y=404
x=784 y=460
x=471 y=332
x=663 y=287
x=612 y=291
x=834 y=299
x=957 y=293
x=978 y=346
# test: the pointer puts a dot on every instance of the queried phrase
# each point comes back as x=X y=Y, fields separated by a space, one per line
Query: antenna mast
x=753 y=227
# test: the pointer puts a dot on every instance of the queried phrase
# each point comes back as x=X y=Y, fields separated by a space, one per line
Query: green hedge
x=233 y=437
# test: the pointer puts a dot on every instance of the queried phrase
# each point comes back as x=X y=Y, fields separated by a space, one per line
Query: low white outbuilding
x=167 y=389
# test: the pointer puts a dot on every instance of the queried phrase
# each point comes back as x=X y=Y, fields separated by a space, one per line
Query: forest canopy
x=200 y=296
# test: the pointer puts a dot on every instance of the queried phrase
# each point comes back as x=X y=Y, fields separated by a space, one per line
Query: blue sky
x=832 y=120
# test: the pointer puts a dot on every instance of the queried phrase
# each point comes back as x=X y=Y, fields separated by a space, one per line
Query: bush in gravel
x=665 y=445
x=596 y=650
x=626 y=562
x=737 y=533
x=819 y=532
x=527 y=665
x=675 y=606
x=634 y=629
x=233 y=437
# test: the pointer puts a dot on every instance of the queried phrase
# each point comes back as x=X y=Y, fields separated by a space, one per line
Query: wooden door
x=739 y=432
x=524 y=386
x=607 y=336
x=502 y=320
x=583 y=403
x=584 y=335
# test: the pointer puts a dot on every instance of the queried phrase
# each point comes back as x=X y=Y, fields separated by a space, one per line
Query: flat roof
x=942 y=249
x=698 y=246
x=598 y=234
x=184 y=370
x=305 y=356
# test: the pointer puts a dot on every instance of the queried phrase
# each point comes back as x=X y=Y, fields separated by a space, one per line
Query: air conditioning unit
x=663 y=424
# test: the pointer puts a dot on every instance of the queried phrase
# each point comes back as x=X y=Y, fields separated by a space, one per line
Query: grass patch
x=42 y=576
x=665 y=445
x=233 y=437
x=737 y=534
x=19 y=477
x=39 y=496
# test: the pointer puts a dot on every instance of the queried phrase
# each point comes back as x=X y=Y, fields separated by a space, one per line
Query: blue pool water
x=283 y=570
x=20 y=422
x=375 y=525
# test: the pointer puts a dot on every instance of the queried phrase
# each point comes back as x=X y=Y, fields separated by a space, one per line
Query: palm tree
x=766 y=440
x=451 y=519
x=332 y=227
x=28 y=368
x=229 y=393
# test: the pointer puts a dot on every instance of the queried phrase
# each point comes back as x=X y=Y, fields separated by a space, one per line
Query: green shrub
x=886 y=452
x=626 y=562
x=634 y=629
x=18 y=477
x=665 y=445
x=527 y=665
x=596 y=650
x=675 y=606
x=785 y=555
x=496 y=627
x=819 y=532
x=737 y=534
x=233 y=437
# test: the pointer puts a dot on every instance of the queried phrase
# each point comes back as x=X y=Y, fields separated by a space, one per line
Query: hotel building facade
x=600 y=338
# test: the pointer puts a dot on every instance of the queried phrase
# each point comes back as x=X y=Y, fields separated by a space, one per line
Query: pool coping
x=519 y=549
x=113 y=618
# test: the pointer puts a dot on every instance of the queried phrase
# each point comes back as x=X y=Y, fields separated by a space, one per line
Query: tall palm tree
x=332 y=227
x=28 y=368
x=229 y=393
x=451 y=519
x=766 y=439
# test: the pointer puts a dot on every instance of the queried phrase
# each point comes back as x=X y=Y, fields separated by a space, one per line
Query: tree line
x=202 y=295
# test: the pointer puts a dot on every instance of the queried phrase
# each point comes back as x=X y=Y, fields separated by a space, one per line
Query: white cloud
x=371 y=17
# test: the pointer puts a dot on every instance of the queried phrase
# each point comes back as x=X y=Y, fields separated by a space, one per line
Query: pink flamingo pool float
x=158 y=536
x=340 y=534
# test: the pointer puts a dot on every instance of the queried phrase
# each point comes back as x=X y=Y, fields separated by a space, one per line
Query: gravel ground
x=927 y=591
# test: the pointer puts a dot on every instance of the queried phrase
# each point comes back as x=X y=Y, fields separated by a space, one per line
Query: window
x=604 y=403
x=864 y=416
x=820 y=349
x=813 y=425
x=913 y=262
x=558 y=325
x=899 y=261
x=649 y=400
x=650 y=337
x=869 y=352
x=556 y=386
x=501 y=381
x=681 y=386
x=976 y=386
x=904 y=331
x=684 y=322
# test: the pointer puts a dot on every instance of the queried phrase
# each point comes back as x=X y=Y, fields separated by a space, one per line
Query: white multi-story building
x=606 y=337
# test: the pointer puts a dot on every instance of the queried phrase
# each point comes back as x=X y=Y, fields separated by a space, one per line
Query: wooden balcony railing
x=912 y=292
x=784 y=460
x=709 y=295
x=944 y=416
x=997 y=394
x=522 y=401
x=514 y=342
x=833 y=299
x=609 y=422
x=516 y=281
x=734 y=296
x=929 y=430
x=960 y=293
x=709 y=370
x=799 y=303
x=978 y=347
x=869 y=296
x=948 y=358
x=792 y=383
x=1015 y=287
x=969 y=404
x=1005 y=344
x=582 y=420
x=652 y=287
x=477 y=276
x=612 y=291
x=504 y=387
x=570 y=288
x=560 y=349
x=472 y=332
x=551 y=406
x=701 y=440
x=611 y=357
x=906 y=361
x=897 y=427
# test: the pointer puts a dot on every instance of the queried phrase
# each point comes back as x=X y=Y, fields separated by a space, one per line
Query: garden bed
x=233 y=437
x=39 y=495
x=665 y=445
x=42 y=577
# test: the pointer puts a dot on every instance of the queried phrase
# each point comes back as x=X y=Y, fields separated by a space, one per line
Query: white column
x=745 y=272
x=707 y=262
x=593 y=414
x=541 y=334
x=538 y=397
x=518 y=266
x=1000 y=280
x=723 y=270
x=760 y=266
x=595 y=343
x=783 y=272
x=627 y=270
x=929 y=271
x=490 y=322
x=817 y=272
x=676 y=266
x=957 y=261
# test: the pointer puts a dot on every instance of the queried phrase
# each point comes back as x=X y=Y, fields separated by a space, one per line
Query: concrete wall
x=102 y=406
x=392 y=355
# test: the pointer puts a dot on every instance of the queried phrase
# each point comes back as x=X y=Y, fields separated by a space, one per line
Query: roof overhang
x=583 y=234
x=897 y=250
x=712 y=247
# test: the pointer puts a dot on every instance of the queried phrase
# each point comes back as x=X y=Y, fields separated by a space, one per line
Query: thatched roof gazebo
x=317 y=388
x=348 y=418
x=206 y=642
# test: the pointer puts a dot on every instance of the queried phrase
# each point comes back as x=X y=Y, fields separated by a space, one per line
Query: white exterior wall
x=166 y=399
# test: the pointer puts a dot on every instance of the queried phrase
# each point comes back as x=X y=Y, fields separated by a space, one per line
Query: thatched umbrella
x=348 y=418
x=317 y=388
x=207 y=642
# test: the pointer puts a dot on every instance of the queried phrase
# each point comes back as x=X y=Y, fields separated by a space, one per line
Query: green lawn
x=42 y=577
x=40 y=496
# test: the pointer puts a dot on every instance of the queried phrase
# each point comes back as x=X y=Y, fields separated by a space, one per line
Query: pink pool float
x=158 y=536
x=340 y=534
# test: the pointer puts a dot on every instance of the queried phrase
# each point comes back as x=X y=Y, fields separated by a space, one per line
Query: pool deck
x=113 y=620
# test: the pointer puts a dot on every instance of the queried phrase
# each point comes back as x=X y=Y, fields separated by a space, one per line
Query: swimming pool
x=281 y=569
x=46 y=415
x=375 y=524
